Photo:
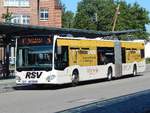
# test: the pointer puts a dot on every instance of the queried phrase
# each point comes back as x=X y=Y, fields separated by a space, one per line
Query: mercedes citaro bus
x=61 y=59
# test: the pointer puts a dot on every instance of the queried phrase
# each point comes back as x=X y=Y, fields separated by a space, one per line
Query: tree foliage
x=133 y=17
x=99 y=15
x=95 y=15
x=67 y=18
x=7 y=16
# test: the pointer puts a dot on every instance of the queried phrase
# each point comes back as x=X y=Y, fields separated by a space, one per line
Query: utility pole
x=116 y=16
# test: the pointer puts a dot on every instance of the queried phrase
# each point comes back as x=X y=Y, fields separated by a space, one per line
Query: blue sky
x=72 y=5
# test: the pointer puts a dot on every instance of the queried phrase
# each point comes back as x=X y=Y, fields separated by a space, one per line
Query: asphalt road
x=58 y=98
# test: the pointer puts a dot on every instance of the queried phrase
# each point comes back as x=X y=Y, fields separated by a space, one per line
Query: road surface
x=58 y=98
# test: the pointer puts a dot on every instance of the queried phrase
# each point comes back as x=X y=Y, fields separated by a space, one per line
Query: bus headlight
x=50 y=78
x=18 y=78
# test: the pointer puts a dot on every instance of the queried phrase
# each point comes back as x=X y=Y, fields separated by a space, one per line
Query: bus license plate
x=32 y=81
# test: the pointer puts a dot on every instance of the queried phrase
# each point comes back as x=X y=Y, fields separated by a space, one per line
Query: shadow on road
x=133 y=103
x=64 y=86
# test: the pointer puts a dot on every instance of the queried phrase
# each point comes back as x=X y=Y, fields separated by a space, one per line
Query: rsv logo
x=33 y=74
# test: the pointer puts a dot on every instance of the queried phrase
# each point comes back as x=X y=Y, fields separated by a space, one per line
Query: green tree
x=99 y=15
x=95 y=15
x=67 y=18
x=133 y=17
x=7 y=16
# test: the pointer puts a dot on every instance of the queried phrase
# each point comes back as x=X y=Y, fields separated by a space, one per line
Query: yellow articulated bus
x=60 y=60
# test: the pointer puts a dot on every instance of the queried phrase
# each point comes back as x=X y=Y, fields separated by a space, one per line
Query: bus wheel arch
x=75 y=77
x=109 y=73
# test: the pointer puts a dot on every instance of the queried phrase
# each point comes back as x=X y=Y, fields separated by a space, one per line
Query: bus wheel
x=109 y=73
x=134 y=70
x=75 y=78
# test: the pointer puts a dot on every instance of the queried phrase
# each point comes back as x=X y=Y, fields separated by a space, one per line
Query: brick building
x=32 y=12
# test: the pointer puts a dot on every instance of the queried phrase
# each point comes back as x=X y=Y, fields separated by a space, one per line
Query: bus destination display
x=35 y=41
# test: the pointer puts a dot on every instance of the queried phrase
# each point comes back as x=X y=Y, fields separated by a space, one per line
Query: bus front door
x=73 y=56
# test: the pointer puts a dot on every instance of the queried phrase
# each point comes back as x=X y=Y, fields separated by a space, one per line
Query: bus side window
x=142 y=53
x=100 y=57
x=65 y=54
x=61 y=58
x=123 y=55
x=105 y=55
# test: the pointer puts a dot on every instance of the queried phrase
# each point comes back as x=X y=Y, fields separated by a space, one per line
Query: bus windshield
x=31 y=58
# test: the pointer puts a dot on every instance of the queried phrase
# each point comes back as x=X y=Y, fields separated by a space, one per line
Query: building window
x=20 y=19
x=15 y=19
x=25 y=20
x=43 y=14
x=16 y=3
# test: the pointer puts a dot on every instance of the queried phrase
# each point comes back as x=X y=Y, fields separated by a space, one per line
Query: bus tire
x=109 y=74
x=75 y=78
x=134 y=70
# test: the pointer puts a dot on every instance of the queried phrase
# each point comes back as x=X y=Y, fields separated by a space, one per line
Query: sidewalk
x=6 y=85
x=7 y=81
